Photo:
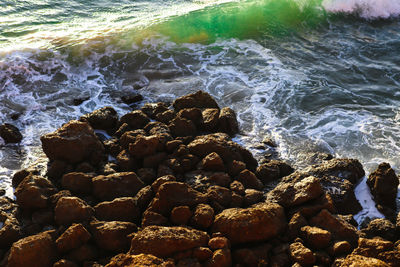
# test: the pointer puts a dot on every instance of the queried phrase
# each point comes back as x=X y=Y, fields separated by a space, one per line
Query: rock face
x=165 y=241
x=10 y=133
x=383 y=183
x=258 y=223
x=36 y=251
x=74 y=142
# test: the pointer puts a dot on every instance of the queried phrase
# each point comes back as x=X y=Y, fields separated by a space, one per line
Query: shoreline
x=181 y=192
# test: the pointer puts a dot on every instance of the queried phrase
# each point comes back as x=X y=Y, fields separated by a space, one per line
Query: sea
x=316 y=76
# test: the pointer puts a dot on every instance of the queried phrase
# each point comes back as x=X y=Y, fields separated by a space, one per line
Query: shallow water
x=316 y=76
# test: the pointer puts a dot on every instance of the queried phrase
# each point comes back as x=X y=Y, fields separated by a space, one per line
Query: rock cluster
x=170 y=188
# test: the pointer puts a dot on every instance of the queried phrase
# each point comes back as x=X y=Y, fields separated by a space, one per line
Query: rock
x=152 y=109
x=78 y=182
x=238 y=188
x=295 y=224
x=10 y=133
x=258 y=223
x=289 y=194
x=153 y=218
x=33 y=192
x=166 y=116
x=357 y=260
x=123 y=184
x=182 y=127
x=10 y=230
x=72 y=210
x=180 y=215
x=202 y=253
x=126 y=162
x=203 y=216
x=210 y=119
x=120 y=209
x=212 y=162
x=133 y=97
x=315 y=237
x=43 y=217
x=383 y=183
x=341 y=248
x=252 y=197
x=36 y=250
x=126 y=260
x=135 y=119
x=227 y=121
x=104 y=118
x=340 y=229
x=220 y=258
x=249 y=180
x=268 y=172
x=84 y=253
x=153 y=161
x=381 y=227
x=193 y=114
x=199 y=99
x=162 y=180
x=143 y=146
x=165 y=241
x=65 y=263
x=112 y=236
x=219 y=194
x=301 y=254
x=74 y=237
x=173 y=194
x=74 y=142
x=144 y=197
x=219 y=243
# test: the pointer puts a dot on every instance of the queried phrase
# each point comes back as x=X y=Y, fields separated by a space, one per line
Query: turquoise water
x=316 y=75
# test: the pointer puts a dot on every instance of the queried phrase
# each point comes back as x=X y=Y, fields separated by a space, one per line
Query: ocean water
x=314 y=75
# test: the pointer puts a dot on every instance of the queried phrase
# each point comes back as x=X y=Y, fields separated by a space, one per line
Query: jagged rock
x=126 y=162
x=199 y=99
x=75 y=236
x=165 y=241
x=249 y=180
x=315 y=237
x=357 y=260
x=123 y=184
x=36 y=251
x=144 y=146
x=341 y=248
x=213 y=162
x=10 y=133
x=10 y=231
x=372 y=247
x=182 y=127
x=153 y=218
x=166 y=116
x=227 y=121
x=144 y=197
x=219 y=194
x=180 y=215
x=193 y=114
x=132 y=97
x=381 y=227
x=301 y=254
x=210 y=119
x=78 y=182
x=84 y=253
x=135 y=119
x=258 y=223
x=74 y=142
x=112 y=236
x=273 y=170
x=126 y=260
x=104 y=118
x=295 y=224
x=152 y=109
x=72 y=210
x=203 y=216
x=120 y=209
x=220 y=258
x=202 y=253
x=252 y=196
x=162 y=180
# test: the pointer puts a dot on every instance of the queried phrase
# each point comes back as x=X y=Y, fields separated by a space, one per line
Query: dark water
x=313 y=75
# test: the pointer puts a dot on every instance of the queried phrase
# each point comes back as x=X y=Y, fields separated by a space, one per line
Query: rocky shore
x=166 y=186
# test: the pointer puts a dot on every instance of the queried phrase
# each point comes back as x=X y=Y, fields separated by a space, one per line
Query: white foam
x=369 y=9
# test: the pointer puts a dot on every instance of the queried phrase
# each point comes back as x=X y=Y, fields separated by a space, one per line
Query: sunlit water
x=316 y=76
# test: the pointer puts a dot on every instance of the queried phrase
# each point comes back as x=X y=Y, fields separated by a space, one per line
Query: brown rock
x=316 y=237
x=165 y=241
x=249 y=180
x=153 y=218
x=103 y=118
x=258 y=223
x=289 y=194
x=268 y=172
x=193 y=114
x=210 y=119
x=381 y=227
x=295 y=224
x=219 y=194
x=33 y=192
x=220 y=258
x=74 y=237
x=252 y=197
x=357 y=260
x=166 y=116
x=147 y=175
x=37 y=250
x=182 y=127
x=112 y=236
x=199 y=99
x=126 y=162
x=141 y=260
x=124 y=184
x=10 y=231
x=341 y=248
x=144 y=146
x=153 y=161
x=143 y=197
x=180 y=215
x=372 y=247
x=65 y=263
x=238 y=188
x=203 y=216
x=120 y=209
x=301 y=254
x=213 y=162
x=227 y=121
x=162 y=180
x=74 y=142
x=152 y=109
x=10 y=133
x=84 y=253
x=72 y=210
x=78 y=182
x=135 y=119
x=219 y=243
x=202 y=253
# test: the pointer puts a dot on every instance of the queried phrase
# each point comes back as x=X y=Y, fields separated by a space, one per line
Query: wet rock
x=180 y=215
x=123 y=184
x=126 y=260
x=210 y=119
x=112 y=236
x=182 y=127
x=192 y=114
x=381 y=227
x=135 y=119
x=78 y=182
x=120 y=209
x=301 y=254
x=131 y=98
x=357 y=260
x=213 y=162
x=203 y=216
x=152 y=109
x=315 y=237
x=383 y=183
x=227 y=121
x=72 y=210
x=104 y=118
x=289 y=194
x=33 y=192
x=165 y=241
x=199 y=99
x=10 y=230
x=249 y=180
x=258 y=223
x=74 y=142
x=10 y=133
x=74 y=237
x=166 y=116
x=37 y=250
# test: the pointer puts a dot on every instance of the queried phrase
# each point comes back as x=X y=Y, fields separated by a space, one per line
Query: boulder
x=123 y=184
x=219 y=194
x=273 y=170
x=383 y=228
x=86 y=252
x=36 y=251
x=72 y=210
x=10 y=231
x=249 y=180
x=315 y=237
x=74 y=237
x=144 y=146
x=199 y=99
x=210 y=119
x=10 y=133
x=153 y=218
x=120 y=209
x=112 y=236
x=126 y=260
x=220 y=258
x=357 y=260
x=258 y=223
x=203 y=216
x=77 y=182
x=301 y=254
x=182 y=127
x=372 y=247
x=104 y=118
x=227 y=121
x=213 y=162
x=180 y=215
x=152 y=109
x=74 y=142
x=135 y=119
x=65 y=263
x=219 y=242
x=165 y=241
